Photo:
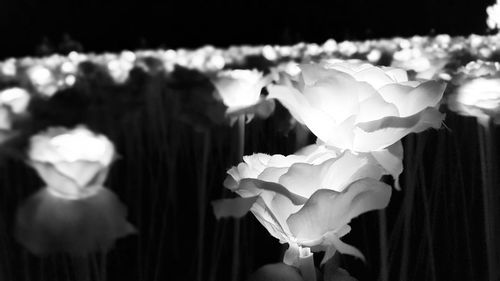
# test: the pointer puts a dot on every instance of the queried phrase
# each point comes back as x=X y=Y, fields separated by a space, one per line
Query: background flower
x=73 y=163
x=478 y=97
x=240 y=90
x=13 y=101
x=74 y=213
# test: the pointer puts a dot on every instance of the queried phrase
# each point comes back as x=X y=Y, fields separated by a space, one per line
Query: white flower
x=479 y=97
x=493 y=12
x=240 y=90
x=43 y=80
x=358 y=106
x=73 y=163
x=306 y=199
x=13 y=101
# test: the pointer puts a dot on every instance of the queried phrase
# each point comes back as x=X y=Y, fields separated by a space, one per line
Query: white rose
x=358 y=106
x=73 y=163
x=306 y=199
x=478 y=97
x=240 y=91
x=12 y=101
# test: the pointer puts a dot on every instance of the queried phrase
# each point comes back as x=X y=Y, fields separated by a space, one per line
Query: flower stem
x=382 y=223
x=202 y=191
x=237 y=226
x=485 y=152
x=306 y=265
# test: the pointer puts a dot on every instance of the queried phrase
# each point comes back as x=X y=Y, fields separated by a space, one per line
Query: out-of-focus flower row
x=427 y=57
x=457 y=60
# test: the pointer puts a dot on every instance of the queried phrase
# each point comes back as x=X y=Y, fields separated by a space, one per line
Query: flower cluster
x=359 y=113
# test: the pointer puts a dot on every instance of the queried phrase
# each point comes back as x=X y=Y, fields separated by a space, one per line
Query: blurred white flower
x=17 y=99
x=74 y=213
x=240 y=90
x=493 y=12
x=73 y=163
x=479 y=97
x=43 y=80
x=13 y=101
x=119 y=67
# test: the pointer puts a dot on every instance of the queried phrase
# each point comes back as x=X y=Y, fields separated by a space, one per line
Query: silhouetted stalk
x=413 y=152
x=202 y=199
x=237 y=226
x=382 y=227
x=427 y=220
x=485 y=153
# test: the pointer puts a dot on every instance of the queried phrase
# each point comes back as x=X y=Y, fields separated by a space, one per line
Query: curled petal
x=320 y=123
x=337 y=96
x=376 y=135
x=373 y=76
x=256 y=185
x=375 y=108
x=391 y=159
x=82 y=172
x=236 y=207
x=46 y=224
x=411 y=100
x=335 y=174
x=328 y=210
x=263 y=109
x=346 y=248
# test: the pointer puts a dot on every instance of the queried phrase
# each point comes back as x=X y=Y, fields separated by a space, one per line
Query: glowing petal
x=320 y=123
x=412 y=100
x=379 y=134
x=373 y=76
x=335 y=96
x=391 y=159
x=327 y=210
x=236 y=207
x=47 y=224
x=375 y=108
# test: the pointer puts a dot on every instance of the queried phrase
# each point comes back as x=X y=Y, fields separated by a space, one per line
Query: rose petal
x=57 y=181
x=255 y=185
x=347 y=249
x=391 y=160
x=335 y=174
x=264 y=215
x=82 y=172
x=48 y=224
x=272 y=174
x=413 y=100
x=311 y=73
x=375 y=108
x=327 y=210
x=397 y=74
x=373 y=76
x=336 y=96
x=236 y=207
x=318 y=122
x=379 y=134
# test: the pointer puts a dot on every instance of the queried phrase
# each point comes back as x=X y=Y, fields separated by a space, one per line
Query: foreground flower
x=74 y=213
x=306 y=199
x=240 y=90
x=358 y=106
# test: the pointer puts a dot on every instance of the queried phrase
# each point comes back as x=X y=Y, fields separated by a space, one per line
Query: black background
x=130 y=24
